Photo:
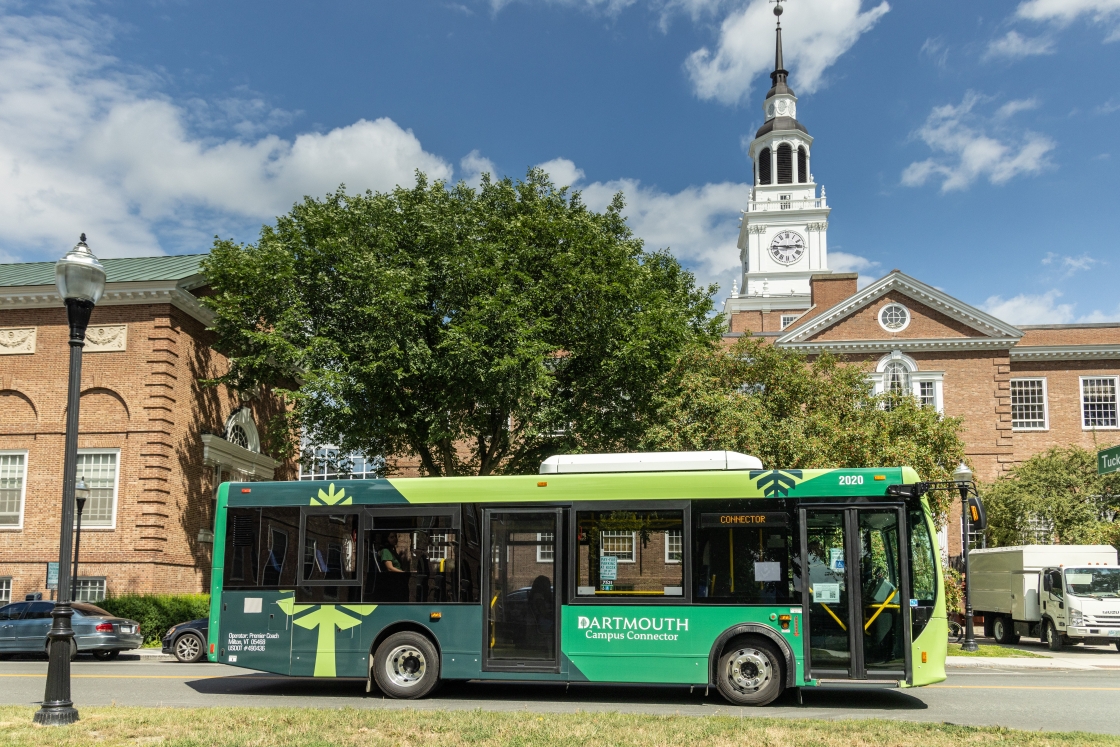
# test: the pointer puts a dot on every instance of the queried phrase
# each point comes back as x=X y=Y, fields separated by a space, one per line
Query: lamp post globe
x=80 y=279
x=962 y=475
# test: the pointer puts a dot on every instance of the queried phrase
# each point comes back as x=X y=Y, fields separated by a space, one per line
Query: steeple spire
x=778 y=77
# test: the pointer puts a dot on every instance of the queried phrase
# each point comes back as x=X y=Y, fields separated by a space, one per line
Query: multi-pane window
x=927 y=393
x=328 y=464
x=896 y=378
x=788 y=319
x=99 y=470
x=1028 y=404
x=5 y=590
x=619 y=544
x=89 y=590
x=1098 y=402
x=12 y=478
x=674 y=546
x=546 y=549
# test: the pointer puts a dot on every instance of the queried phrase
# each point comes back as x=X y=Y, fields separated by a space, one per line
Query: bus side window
x=242 y=538
x=279 y=541
x=742 y=557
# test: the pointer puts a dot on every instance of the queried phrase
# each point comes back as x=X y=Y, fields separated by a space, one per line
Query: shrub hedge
x=157 y=612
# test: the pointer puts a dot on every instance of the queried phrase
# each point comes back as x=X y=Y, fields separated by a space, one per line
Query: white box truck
x=1059 y=593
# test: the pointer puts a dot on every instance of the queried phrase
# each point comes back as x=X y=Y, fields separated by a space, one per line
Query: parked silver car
x=24 y=627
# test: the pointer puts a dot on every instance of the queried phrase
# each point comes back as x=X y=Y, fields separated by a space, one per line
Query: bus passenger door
x=521 y=599
x=857 y=597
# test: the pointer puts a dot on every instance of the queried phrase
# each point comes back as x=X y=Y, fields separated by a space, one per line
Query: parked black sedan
x=187 y=641
x=24 y=627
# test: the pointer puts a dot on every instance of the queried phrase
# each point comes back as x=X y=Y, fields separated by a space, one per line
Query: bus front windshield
x=1093 y=582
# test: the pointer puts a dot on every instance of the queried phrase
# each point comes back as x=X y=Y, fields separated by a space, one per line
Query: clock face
x=787 y=247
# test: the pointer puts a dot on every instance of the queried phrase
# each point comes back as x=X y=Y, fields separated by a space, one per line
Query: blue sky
x=971 y=145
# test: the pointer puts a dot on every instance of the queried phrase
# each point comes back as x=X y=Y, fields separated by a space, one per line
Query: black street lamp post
x=81 y=281
x=963 y=477
x=81 y=493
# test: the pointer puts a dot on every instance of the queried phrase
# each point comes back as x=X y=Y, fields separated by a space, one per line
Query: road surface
x=1048 y=700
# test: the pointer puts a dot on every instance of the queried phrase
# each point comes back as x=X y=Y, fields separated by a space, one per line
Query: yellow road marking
x=1021 y=687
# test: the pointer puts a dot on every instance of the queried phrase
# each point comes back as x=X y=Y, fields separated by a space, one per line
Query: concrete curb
x=982 y=662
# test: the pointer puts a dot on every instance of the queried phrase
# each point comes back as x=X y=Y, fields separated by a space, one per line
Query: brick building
x=153 y=441
x=1019 y=389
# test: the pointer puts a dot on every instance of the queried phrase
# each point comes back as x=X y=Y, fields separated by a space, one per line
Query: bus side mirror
x=976 y=516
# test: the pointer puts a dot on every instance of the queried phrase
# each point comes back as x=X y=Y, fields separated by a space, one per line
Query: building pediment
x=898 y=312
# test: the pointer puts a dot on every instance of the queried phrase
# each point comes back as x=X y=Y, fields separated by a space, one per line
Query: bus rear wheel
x=750 y=673
x=406 y=665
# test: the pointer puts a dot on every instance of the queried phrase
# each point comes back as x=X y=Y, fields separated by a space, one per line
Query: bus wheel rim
x=405 y=666
x=187 y=647
x=749 y=670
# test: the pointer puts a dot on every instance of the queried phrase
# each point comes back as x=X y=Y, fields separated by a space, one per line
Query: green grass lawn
x=311 y=727
x=993 y=651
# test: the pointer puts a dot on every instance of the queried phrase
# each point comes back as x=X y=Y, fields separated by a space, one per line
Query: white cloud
x=967 y=152
x=700 y=225
x=562 y=172
x=1011 y=108
x=473 y=165
x=845 y=262
x=1063 y=12
x=936 y=49
x=87 y=147
x=1043 y=309
x=818 y=33
x=1016 y=46
x=1030 y=309
x=1070 y=265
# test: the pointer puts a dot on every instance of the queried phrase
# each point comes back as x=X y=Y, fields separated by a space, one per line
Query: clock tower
x=783 y=238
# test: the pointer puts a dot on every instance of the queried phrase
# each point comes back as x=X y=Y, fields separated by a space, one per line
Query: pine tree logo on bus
x=328 y=619
x=329 y=497
x=775 y=483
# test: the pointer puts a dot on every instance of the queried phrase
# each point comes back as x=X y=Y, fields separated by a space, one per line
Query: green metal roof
x=120 y=270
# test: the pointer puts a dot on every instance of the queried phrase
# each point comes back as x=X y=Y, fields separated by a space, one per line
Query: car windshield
x=90 y=610
x=1093 y=582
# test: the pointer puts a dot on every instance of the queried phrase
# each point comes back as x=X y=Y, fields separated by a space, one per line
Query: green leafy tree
x=478 y=330
x=1059 y=492
x=793 y=412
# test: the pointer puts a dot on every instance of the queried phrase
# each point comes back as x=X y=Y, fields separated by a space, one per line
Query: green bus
x=690 y=568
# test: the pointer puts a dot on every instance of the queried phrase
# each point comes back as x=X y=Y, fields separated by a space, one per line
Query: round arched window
x=894 y=317
x=236 y=435
x=242 y=431
x=896 y=377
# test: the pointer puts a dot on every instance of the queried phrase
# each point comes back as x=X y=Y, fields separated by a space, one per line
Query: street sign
x=1108 y=460
x=52 y=575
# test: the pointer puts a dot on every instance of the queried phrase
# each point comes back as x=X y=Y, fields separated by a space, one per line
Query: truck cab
x=1084 y=603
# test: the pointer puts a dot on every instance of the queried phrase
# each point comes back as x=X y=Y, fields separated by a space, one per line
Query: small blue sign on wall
x=52 y=575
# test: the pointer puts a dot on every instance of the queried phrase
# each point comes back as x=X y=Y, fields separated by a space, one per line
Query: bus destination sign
x=752 y=519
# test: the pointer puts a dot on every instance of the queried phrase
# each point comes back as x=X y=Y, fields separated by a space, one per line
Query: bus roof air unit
x=657 y=461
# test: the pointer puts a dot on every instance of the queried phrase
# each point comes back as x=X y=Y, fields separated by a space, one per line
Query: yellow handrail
x=880 y=608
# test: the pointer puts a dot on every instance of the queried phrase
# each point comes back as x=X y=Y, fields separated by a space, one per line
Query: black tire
x=956 y=631
x=1051 y=636
x=189 y=648
x=1003 y=630
x=406 y=665
x=106 y=655
x=750 y=672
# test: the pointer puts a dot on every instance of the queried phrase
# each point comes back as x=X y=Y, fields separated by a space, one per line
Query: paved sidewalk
x=1019 y=662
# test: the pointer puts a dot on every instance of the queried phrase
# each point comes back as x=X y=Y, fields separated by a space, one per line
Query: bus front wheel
x=406 y=665
x=750 y=673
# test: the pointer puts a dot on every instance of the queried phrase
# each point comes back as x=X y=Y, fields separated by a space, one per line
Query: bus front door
x=522 y=590
x=857 y=625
